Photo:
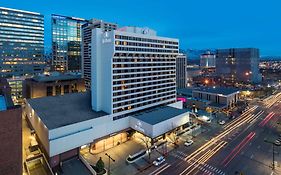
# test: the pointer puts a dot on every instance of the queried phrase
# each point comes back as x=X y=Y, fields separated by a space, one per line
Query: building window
x=66 y=89
x=49 y=90
x=58 y=90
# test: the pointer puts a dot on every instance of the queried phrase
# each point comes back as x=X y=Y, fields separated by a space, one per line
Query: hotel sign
x=138 y=127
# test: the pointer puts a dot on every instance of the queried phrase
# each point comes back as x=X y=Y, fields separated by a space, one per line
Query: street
x=239 y=148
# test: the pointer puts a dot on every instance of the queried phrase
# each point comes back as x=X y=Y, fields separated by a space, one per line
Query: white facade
x=132 y=71
x=208 y=60
x=86 y=48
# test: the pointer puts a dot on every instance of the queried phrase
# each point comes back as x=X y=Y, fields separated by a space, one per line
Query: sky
x=198 y=24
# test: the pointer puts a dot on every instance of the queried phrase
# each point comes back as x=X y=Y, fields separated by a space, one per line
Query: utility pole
x=273 y=152
x=109 y=159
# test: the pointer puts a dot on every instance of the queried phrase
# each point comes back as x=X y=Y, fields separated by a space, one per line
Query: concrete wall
x=72 y=136
x=101 y=75
x=170 y=124
x=159 y=128
x=141 y=126
x=39 y=127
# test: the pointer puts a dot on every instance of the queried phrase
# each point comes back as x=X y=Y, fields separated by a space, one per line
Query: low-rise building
x=64 y=124
x=220 y=97
x=53 y=84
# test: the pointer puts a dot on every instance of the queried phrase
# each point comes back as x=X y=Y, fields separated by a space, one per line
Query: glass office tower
x=66 y=43
x=21 y=42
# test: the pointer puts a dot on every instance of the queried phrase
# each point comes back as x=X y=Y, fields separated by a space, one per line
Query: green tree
x=100 y=166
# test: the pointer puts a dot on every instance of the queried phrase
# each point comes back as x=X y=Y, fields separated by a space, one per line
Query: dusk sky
x=199 y=24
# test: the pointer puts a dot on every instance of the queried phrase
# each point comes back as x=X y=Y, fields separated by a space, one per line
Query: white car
x=188 y=143
x=221 y=122
x=159 y=161
x=277 y=142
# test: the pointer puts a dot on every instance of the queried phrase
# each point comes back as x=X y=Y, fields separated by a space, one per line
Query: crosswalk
x=204 y=168
x=179 y=154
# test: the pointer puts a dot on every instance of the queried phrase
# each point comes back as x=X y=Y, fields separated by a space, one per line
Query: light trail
x=237 y=148
x=242 y=115
x=266 y=119
x=204 y=158
x=220 y=136
x=252 y=136
x=207 y=155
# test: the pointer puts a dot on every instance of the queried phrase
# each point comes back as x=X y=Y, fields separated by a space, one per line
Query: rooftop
x=59 y=111
x=160 y=114
x=56 y=77
x=218 y=90
x=185 y=91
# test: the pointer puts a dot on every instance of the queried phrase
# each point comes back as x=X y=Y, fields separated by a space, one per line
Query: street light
x=109 y=158
x=273 y=152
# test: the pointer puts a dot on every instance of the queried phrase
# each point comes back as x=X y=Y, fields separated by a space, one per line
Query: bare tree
x=173 y=136
x=147 y=143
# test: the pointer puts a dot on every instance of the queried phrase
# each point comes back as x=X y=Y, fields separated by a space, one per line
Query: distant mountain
x=271 y=58
x=194 y=54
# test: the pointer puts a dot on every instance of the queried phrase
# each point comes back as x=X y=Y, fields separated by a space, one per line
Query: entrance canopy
x=156 y=122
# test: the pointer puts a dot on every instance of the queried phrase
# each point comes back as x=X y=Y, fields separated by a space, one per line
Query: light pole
x=273 y=152
x=109 y=158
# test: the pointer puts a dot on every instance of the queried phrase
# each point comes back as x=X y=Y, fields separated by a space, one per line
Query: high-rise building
x=86 y=49
x=133 y=69
x=133 y=87
x=21 y=42
x=66 y=43
x=207 y=60
x=238 y=65
x=181 y=71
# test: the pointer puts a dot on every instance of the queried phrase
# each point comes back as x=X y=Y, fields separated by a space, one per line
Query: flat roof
x=185 y=91
x=218 y=90
x=160 y=114
x=46 y=78
x=59 y=111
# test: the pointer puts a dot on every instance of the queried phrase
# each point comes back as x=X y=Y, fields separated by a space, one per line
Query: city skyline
x=197 y=26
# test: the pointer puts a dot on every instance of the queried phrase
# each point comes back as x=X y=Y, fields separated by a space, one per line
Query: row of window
x=131 y=38
x=143 y=75
x=143 y=79
x=125 y=43
x=143 y=104
x=12 y=21
x=157 y=89
x=22 y=37
x=143 y=55
x=143 y=70
x=143 y=65
x=136 y=60
x=161 y=83
x=20 y=16
x=145 y=97
x=21 y=33
x=144 y=50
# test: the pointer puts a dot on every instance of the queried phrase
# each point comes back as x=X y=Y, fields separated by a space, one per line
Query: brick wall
x=11 y=142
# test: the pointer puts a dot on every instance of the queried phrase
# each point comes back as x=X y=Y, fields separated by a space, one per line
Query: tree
x=100 y=166
x=174 y=138
x=147 y=143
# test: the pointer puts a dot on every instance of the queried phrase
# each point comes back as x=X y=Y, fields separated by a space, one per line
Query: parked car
x=159 y=161
x=277 y=142
x=221 y=122
x=188 y=143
